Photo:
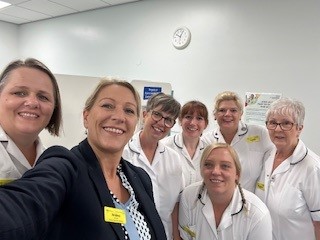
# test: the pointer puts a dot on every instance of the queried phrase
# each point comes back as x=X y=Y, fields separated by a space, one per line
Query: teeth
x=157 y=129
x=32 y=115
x=114 y=130
x=215 y=181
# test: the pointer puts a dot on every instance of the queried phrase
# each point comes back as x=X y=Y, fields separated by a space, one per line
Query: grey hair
x=287 y=107
x=167 y=102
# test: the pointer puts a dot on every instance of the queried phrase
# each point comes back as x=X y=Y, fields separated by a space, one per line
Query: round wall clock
x=181 y=37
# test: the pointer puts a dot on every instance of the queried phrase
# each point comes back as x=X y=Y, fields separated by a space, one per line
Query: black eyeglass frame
x=157 y=116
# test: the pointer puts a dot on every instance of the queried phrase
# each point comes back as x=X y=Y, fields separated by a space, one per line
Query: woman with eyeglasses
x=193 y=119
x=289 y=183
x=251 y=142
x=160 y=162
x=217 y=208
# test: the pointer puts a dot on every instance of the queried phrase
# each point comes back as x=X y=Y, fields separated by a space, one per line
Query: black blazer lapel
x=99 y=183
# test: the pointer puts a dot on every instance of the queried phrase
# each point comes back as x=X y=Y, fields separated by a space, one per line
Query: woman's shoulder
x=192 y=190
x=255 y=204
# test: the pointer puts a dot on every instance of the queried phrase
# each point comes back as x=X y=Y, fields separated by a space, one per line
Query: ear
x=85 y=114
x=299 y=130
x=237 y=178
x=215 y=115
x=144 y=114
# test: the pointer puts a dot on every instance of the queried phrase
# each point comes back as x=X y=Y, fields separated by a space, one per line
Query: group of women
x=238 y=181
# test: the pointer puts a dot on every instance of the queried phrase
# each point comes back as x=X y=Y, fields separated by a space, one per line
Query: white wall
x=9 y=47
x=248 y=45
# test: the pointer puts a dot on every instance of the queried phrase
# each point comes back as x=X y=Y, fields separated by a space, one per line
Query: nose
x=194 y=120
x=118 y=115
x=216 y=170
x=228 y=112
x=32 y=102
x=162 y=122
x=278 y=128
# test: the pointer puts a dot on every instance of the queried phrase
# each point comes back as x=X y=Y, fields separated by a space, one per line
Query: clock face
x=181 y=38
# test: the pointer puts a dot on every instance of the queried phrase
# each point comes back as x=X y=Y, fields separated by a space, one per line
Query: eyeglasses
x=285 y=126
x=157 y=116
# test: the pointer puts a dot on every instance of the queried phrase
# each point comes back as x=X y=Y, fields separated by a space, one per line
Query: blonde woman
x=218 y=208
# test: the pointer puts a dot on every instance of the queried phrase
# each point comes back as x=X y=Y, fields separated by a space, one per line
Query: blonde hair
x=226 y=96
x=105 y=82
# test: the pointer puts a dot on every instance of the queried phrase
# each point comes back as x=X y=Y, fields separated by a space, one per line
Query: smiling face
x=26 y=103
x=112 y=119
x=155 y=130
x=193 y=125
x=228 y=115
x=219 y=172
x=284 y=139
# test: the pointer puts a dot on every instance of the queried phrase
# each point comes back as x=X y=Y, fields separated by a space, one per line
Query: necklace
x=126 y=235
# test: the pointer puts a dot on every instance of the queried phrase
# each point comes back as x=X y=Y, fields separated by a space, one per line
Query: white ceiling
x=24 y=11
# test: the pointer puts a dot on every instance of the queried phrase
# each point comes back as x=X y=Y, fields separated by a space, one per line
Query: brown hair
x=192 y=107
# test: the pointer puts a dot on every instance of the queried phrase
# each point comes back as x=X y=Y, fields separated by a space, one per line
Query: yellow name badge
x=252 y=139
x=188 y=230
x=114 y=215
x=4 y=181
x=260 y=185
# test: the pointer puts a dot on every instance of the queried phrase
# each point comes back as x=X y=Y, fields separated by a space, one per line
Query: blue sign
x=149 y=91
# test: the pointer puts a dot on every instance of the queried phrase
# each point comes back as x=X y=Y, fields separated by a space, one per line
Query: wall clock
x=181 y=38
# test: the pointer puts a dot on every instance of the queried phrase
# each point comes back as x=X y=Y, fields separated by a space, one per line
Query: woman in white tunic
x=193 y=119
x=218 y=208
x=251 y=142
x=163 y=164
x=29 y=102
x=289 y=184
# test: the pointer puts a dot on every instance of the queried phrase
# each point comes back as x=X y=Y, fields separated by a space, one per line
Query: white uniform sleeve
x=262 y=230
x=312 y=194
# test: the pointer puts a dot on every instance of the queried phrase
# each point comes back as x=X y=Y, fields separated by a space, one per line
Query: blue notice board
x=148 y=91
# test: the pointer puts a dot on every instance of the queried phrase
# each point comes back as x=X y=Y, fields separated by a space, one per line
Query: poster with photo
x=256 y=106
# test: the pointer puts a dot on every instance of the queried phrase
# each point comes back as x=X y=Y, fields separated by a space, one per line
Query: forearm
x=316 y=225
x=175 y=223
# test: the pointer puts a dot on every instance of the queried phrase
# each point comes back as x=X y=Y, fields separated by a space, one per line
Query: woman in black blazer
x=89 y=192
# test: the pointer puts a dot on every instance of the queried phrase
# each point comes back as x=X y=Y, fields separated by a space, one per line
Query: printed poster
x=256 y=106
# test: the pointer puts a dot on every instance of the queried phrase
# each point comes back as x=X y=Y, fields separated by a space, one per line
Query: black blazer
x=61 y=199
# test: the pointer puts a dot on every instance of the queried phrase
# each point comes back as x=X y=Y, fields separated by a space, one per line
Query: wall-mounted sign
x=256 y=106
x=149 y=91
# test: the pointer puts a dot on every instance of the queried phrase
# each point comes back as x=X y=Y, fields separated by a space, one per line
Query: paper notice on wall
x=256 y=106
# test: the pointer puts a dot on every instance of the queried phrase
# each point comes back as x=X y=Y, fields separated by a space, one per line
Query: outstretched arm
x=28 y=205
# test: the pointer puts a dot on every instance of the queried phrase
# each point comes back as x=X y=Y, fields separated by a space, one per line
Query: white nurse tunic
x=196 y=217
x=166 y=175
x=292 y=194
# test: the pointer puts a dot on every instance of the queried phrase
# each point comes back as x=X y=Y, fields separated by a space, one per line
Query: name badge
x=4 y=181
x=260 y=185
x=189 y=231
x=114 y=215
x=252 y=139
